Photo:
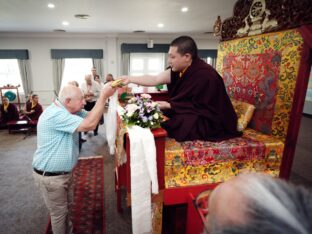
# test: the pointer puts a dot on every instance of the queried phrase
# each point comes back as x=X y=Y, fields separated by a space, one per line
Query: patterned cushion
x=244 y=112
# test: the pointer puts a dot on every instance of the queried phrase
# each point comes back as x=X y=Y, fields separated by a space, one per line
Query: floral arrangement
x=142 y=111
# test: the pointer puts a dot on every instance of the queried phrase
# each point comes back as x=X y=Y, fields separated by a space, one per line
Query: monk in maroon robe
x=8 y=111
x=199 y=107
x=33 y=109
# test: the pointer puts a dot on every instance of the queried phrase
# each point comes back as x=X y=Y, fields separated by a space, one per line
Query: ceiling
x=113 y=17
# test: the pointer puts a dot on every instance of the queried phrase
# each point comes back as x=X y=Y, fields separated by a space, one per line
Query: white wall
x=39 y=46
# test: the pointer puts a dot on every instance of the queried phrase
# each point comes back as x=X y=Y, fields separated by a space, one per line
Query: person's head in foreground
x=259 y=204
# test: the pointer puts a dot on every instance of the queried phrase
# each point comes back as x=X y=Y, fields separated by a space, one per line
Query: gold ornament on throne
x=217 y=27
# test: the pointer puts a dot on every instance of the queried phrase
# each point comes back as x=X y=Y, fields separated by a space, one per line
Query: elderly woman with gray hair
x=259 y=204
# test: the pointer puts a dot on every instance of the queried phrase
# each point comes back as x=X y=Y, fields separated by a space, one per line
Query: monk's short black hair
x=185 y=44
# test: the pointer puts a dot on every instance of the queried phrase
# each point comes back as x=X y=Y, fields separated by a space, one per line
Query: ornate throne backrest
x=265 y=59
x=262 y=68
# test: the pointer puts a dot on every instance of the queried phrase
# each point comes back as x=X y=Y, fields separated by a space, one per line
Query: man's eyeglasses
x=202 y=206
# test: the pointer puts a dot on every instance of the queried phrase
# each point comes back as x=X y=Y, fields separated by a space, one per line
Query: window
x=146 y=64
x=210 y=60
x=76 y=69
x=10 y=74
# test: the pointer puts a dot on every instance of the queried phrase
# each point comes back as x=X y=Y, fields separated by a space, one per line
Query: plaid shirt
x=57 y=139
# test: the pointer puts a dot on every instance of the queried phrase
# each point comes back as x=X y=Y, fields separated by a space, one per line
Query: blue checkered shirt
x=57 y=139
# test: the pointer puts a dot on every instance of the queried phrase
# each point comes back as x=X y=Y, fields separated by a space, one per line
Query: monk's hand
x=125 y=79
x=164 y=105
x=117 y=83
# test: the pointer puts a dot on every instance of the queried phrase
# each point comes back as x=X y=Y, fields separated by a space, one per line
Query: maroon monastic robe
x=10 y=114
x=37 y=110
x=200 y=106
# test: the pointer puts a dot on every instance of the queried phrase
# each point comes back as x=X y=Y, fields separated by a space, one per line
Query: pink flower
x=145 y=95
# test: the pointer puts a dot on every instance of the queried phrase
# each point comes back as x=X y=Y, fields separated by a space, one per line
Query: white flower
x=121 y=111
x=154 y=104
x=131 y=108
x=156 y=116
x=132 y=100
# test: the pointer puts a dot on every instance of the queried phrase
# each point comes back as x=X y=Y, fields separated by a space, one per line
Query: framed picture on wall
x=307 y=109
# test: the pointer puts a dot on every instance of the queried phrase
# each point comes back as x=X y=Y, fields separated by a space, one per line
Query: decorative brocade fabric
x=253 y=78
x=262 y=71
x=203 y=162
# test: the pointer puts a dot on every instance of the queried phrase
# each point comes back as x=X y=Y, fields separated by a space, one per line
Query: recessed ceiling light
x=82 y=16
x=160 y=25
x=65 y=23
x=184 y=9
x=51 y=5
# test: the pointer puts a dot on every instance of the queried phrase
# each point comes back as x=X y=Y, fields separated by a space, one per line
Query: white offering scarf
x=110 y=122
x=143 y=172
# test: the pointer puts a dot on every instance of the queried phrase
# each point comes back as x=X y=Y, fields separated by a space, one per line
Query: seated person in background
x=9 y=112
x=259 y=203
x=198 y=107
x=109 y=77
x=33 y=108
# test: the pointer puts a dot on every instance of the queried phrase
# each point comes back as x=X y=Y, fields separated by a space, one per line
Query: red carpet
x=87 y=212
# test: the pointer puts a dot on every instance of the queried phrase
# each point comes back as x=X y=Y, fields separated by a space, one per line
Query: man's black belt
x=45 y=173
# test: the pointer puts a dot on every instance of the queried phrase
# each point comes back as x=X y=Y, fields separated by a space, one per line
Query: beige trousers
x=57 y=192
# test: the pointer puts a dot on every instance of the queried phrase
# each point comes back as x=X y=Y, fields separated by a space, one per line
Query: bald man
x=57 y=149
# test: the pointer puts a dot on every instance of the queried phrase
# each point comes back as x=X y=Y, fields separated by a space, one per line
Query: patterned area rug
x=87 y=212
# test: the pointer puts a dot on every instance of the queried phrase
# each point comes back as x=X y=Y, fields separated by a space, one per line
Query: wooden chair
x=11 y=87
